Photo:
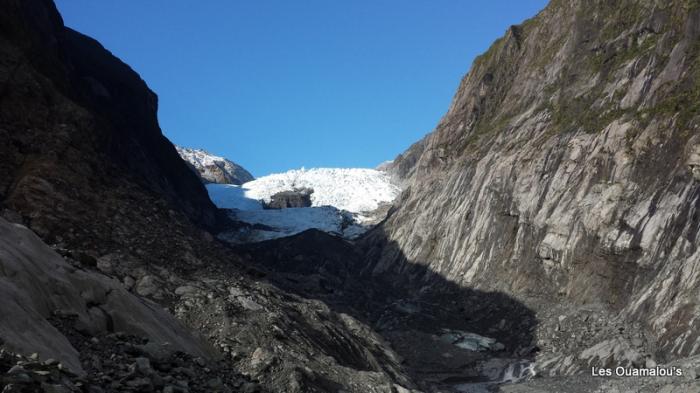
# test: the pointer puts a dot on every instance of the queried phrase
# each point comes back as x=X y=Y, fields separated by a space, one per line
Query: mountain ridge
x=214 y=169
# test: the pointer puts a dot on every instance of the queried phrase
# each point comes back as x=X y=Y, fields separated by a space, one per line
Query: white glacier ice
x=342 y=201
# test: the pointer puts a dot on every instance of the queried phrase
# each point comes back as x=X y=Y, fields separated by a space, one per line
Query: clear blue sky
x=280 y=84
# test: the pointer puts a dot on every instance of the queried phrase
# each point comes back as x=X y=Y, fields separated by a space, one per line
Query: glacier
x=345 y=202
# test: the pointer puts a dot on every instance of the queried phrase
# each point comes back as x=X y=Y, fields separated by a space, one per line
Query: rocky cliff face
x=566 y=171
x=78 y=128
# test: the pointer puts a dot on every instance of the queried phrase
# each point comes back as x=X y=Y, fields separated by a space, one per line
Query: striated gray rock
x=565 y=172
x=403 y=166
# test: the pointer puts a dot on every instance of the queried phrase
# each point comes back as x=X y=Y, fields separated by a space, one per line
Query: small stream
x=499 y=371
x=495 y=370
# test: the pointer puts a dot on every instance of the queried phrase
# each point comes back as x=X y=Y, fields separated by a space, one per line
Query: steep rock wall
x=79 y=133
x=566 y=169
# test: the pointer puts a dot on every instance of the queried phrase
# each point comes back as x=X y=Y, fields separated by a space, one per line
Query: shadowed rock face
x=565 y=170
x=78 y=132
x=417 y=320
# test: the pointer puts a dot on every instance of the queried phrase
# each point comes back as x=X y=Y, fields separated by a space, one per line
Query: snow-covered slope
x=345 y=201
x=214 y=169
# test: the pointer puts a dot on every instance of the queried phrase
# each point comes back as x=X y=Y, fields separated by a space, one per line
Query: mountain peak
x=212 y=168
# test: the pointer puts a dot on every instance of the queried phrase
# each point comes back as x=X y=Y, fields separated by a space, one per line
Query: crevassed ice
x=352 y=189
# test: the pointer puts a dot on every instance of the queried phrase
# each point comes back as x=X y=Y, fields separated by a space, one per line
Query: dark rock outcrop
x=285 y=199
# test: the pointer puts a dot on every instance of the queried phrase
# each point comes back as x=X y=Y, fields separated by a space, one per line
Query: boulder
x=285 y=199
